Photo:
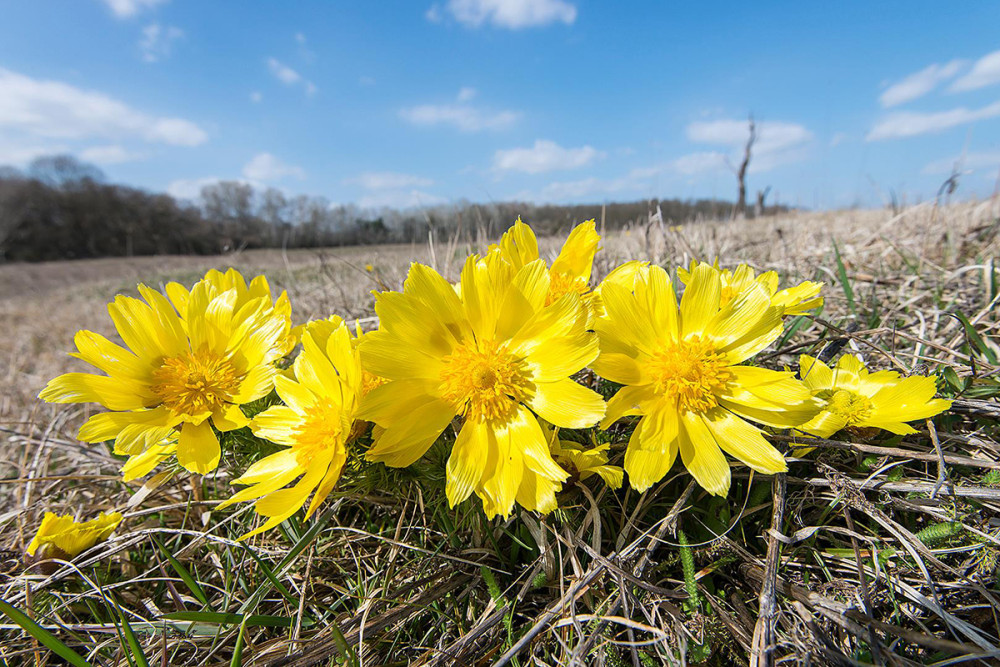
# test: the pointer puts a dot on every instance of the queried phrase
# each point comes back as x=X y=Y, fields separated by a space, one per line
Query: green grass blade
x=135 y=648
x=196 y=590
x=47 y=639
x=845 y=283
x=975 y=340
x=220 y=618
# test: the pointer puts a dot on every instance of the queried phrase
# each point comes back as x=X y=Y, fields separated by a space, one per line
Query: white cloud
x=283 y=73
x=913 y=123
x=839 y=138
x=126 y=8
x=57 y=110
x=697 y=163
x=544 y=156
x=256 y=96
x=17 y=153
x=970 y=162
x=106 y=155
x=288 y=76
x=157 y=41
x=466 y=94
x=512 y=14
x=920 y=83
x=777 y=143
x=266 y=167
x=985 y=72
x=387 y=180
x=465 y=117
x=400 y=199
x=300 y=38
x=189 y=188
x=366 y=80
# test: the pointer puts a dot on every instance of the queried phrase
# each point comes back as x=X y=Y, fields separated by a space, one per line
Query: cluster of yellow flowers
x=493 y=356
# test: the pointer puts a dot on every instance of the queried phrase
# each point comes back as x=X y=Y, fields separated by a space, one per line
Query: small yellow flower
x=792 y=301
x=497 y=355
x=571 y=269
x=585 y=463
x=315 y=424
x=62 y=537
x=190 y=362
x=852 y=396
x=369 y=268
x=681 y=367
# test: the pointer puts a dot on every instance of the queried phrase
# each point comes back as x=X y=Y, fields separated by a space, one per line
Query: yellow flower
x=62 y=537
x=315 y=424
x=792 y=301
x=257 y=289
x=585 y=463
x=570 y=271
x=495 y=356
x=681 y=370
x=851 y=396
x=190 y=363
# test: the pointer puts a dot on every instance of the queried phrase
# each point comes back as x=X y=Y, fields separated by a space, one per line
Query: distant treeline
x=61 y=208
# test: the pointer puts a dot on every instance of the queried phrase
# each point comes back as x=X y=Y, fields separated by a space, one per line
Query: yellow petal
x=701 y=300
x=404 y=442
x=645 y=467
x=140 y=465
x=386 y=356
x=113 y=359
x=743 y=441
x=567 y=404
x=559 y=357
x=467 y=461
x=330 y=480
x=816 y=375
x=626 y=402
x=519 y=245
x=112 y=393
x=702 y=456
x=629 y=320
x=198 y=448
x=277 y=424
x=577 y=255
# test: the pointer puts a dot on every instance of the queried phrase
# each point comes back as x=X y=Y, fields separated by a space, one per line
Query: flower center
x=561 y=284
x=485 y=382
x=855 y=408
x=690 y=371
x=196 y=382
x=321 y=430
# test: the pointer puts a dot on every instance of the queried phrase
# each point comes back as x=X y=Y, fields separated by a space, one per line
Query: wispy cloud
x=267 y=167
x=544 y=156
x=969 y=162
x=289 y=76
x=52 y=109
x=107 y=155
x=126 y=8
x=461 y=115
x=913 y=123
x=510 y=14
x=387 y=180
x=256 y=97
x=985 y=72
x=920 y=83
x=777 y=143
x=157 y=41
x=399 y=199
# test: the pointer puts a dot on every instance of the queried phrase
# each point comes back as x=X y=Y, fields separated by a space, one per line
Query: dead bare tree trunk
x=741 y=174
x=761 y=196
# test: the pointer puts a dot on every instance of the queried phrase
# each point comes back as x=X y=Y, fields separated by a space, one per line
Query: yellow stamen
x=321 y=430
x=852 y=407
x=196 y=382
x=485 y=382
x=690 y=371
x=561 y=284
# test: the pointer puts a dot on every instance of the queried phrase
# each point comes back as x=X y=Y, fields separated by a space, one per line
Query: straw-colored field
x=384 y=575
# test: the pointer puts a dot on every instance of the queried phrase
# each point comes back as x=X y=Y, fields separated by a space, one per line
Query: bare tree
x=761 y=196
x=741 y=173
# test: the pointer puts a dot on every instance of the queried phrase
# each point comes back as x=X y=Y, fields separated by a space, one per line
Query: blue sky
x=408 y=103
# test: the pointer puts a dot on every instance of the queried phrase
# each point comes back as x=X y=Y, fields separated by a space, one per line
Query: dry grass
x=870 y=550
